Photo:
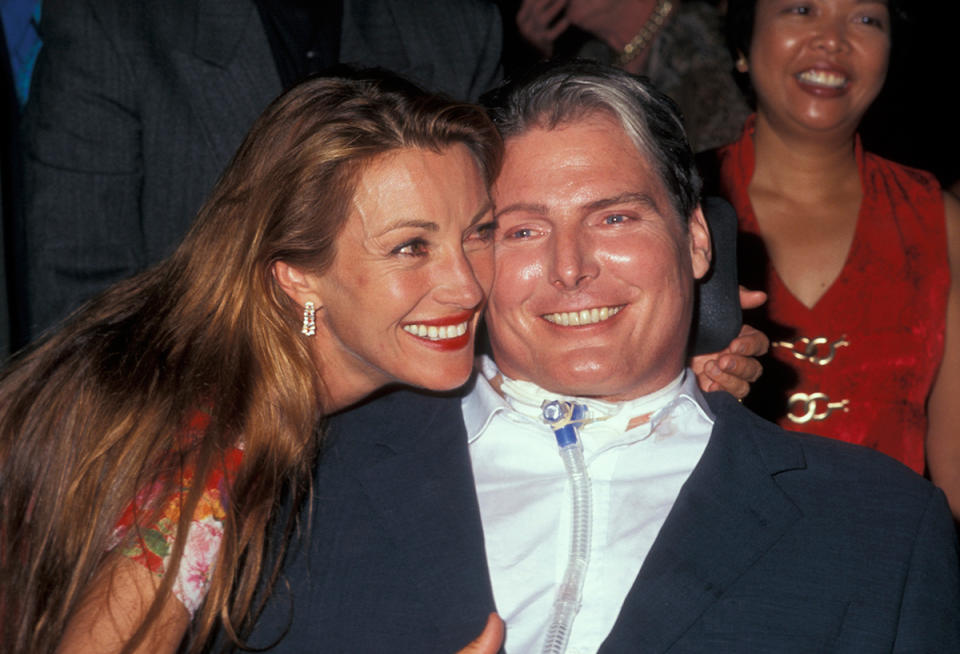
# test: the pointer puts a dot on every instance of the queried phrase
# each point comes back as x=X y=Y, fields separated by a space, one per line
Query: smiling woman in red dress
x=856 y=252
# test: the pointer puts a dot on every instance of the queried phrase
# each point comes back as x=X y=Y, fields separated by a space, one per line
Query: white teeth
x=822 y=78
x=585 y=317
x=435 y=333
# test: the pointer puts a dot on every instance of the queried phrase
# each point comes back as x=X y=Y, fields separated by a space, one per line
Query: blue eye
x=615 y=219
x=523 y=232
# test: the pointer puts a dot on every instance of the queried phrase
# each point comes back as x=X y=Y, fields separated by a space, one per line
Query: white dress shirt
x=524 y=497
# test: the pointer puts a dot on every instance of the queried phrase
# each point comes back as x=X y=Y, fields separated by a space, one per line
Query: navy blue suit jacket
x=777 y=543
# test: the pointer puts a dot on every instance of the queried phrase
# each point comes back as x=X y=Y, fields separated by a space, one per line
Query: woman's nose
x=831 y=35
x=457 y=283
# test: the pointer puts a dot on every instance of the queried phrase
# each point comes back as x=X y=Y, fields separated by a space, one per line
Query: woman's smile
x=449 y=333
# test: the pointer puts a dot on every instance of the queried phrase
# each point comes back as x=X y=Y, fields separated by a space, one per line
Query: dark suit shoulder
x=817 y=545
x=391 y=416
x=827 y=458
x=846 y=493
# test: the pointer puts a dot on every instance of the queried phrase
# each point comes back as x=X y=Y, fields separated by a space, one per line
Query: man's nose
x=574 y=261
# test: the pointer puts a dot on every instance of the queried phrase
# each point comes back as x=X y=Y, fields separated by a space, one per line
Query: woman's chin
x=447 y=378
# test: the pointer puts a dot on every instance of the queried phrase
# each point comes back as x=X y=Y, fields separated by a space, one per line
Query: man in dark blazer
x=763 y=540
x=138 y=105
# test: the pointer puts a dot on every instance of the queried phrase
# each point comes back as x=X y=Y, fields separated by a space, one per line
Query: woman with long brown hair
x=346 y=247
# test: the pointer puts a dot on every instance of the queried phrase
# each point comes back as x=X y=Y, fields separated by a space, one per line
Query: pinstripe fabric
x=138 y=105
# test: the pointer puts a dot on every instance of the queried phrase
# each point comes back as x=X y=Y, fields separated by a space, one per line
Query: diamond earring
x=309 y=320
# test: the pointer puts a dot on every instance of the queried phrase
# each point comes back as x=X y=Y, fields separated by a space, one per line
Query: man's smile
x=583 y=317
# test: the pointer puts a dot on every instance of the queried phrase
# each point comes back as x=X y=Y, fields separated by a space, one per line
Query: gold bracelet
x=646 y=33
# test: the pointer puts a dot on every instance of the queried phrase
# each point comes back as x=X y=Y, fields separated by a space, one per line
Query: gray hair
x=561 y=93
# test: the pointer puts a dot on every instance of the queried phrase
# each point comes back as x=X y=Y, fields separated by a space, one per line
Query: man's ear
x=300 y=286
x=701 y=252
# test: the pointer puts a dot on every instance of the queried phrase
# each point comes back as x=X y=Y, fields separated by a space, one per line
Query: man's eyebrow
x=529 y=207
x=624 y=198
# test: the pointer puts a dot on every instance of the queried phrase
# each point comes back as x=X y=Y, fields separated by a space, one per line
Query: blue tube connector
x=564 y=418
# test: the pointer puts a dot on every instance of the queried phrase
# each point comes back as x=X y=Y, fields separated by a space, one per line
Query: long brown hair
x=93 y=414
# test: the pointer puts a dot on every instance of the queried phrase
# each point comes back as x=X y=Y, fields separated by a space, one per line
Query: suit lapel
x=422 y=483
x=728 y=514
x=231 y=71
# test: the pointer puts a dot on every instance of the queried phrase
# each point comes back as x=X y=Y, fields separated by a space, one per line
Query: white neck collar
x=527 y=398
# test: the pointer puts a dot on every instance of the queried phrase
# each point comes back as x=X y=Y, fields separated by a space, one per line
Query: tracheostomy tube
x=565 y=418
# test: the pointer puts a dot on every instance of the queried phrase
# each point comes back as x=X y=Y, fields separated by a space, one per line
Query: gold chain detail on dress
x=809 y=406
x=809 y=349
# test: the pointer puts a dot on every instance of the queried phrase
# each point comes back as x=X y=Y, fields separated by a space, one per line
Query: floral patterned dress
x=154 y=543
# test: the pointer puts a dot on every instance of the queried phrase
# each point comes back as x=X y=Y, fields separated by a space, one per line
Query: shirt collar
x=483 y=402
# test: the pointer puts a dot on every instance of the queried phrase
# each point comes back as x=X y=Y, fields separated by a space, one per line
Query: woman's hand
x=735 y=368
x=490 y=641
x=541 y=21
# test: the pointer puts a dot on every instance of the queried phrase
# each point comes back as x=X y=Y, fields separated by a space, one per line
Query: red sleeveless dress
x=859 y=365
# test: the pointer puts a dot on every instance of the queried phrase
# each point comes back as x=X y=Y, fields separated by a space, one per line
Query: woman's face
x=412 y=267
x=816 y=65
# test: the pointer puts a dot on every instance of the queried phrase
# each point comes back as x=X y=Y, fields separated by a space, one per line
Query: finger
x=538 y=14
x=490 y=641
x=554 y=7
x=559 y=28
x=751 y=342
x=746 y=368
x=706 y=384
x=751 y=299
x=724 y=381
x=540 y=25
x=698 y=365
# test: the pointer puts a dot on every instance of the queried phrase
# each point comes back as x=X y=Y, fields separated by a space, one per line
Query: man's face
x=593 y=284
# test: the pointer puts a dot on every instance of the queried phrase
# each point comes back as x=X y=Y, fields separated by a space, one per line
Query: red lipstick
x=447 y=344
